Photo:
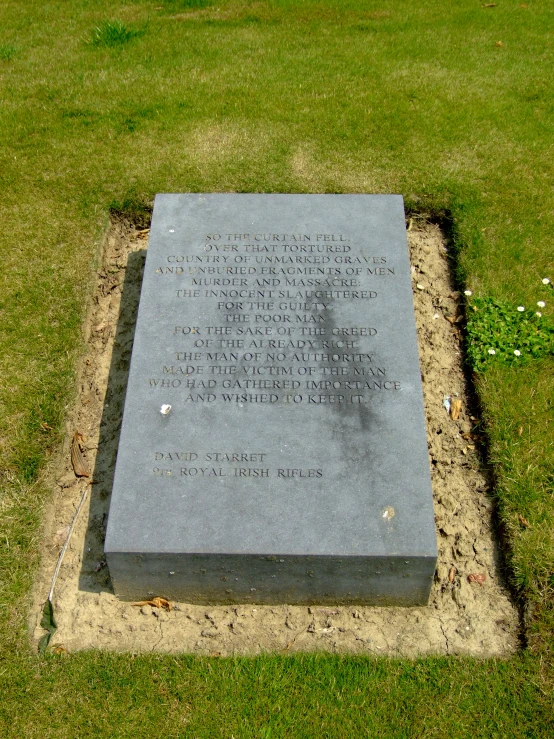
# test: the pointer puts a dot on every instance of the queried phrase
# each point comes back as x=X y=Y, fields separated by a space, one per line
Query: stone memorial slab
x=273 y=445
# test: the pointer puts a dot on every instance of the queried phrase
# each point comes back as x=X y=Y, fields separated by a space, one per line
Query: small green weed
x=7 y=52
x=500 y=333
x=113 y=33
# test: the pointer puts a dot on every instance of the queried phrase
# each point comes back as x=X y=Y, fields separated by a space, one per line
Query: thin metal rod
x=69 y=533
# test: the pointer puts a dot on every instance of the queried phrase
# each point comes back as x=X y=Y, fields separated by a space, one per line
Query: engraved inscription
x=223 y=464
x=275 y=341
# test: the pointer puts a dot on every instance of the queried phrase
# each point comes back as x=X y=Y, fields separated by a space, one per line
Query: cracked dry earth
x=465 y=615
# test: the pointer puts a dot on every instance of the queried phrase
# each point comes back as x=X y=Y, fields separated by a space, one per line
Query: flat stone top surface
x=280 y=330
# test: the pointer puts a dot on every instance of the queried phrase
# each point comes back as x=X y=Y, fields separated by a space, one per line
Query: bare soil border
x=470 y=611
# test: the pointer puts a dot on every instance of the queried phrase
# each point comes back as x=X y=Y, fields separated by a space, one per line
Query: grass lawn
x=448 y=103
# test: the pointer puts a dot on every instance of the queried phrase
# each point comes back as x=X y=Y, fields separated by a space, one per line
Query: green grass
x=98 y=695
x=282 y=96
x=7 y=51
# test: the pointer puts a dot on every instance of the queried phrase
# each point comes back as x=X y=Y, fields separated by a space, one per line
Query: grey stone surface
x=292 y=465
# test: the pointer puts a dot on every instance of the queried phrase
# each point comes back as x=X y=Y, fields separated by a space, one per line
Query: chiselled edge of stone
x=215 y=579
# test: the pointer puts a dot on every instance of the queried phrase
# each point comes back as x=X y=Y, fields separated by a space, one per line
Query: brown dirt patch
x=462 y=617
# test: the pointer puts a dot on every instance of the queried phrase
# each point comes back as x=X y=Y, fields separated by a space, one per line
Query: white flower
x=492 y=351
x=517 y=352
x=521 y=308
x=541 y=304
x=538 y=314
x=545 y=281
x=468 y=293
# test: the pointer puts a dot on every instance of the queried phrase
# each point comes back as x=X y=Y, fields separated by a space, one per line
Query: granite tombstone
x=273 y=445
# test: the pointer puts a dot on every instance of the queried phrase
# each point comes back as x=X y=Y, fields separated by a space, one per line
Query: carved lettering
x=274 y=293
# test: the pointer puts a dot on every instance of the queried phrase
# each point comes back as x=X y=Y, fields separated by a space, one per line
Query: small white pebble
x=171 y=230
x=541 y=304
x=436 y=316
x=521 y=308
x=164 y=410
x=420 y=286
